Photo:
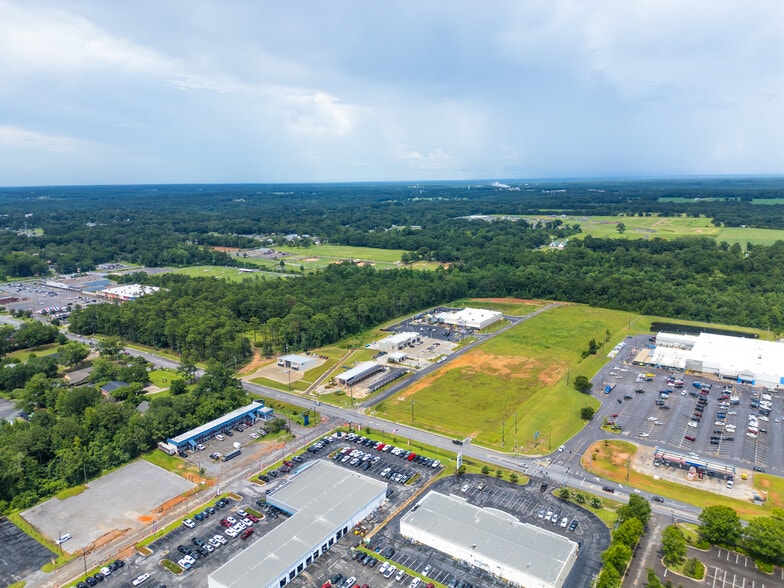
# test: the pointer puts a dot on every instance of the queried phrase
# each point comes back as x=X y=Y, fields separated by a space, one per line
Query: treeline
x=177 y=225
x=29 y=334
x=208 y=318
x=693 y=279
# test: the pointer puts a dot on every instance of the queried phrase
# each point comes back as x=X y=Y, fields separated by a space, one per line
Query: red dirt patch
x=255 y=363
x=225 y=249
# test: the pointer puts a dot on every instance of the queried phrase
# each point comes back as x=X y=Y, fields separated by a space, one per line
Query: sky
x=232 y=91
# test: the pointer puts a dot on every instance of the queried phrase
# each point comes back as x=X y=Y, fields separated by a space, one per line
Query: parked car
x=141 y=579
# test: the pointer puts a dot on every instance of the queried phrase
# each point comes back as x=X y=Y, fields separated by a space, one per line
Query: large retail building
x=325 y=501
x=492 y=540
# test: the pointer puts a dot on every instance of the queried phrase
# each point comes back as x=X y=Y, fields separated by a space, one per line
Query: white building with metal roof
x=300 y=363
x=363 y=369
x=492 y=540
x=473 y=318
x=325 y=501
x=398 y=341
x=740 y=359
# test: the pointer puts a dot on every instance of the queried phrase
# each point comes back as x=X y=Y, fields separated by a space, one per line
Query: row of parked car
x=100 y=576
x=393 y=450
x=553 y=516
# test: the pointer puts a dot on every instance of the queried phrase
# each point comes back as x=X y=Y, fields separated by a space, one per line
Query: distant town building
x=398 y=341
x=298 y=363
x=127 y=293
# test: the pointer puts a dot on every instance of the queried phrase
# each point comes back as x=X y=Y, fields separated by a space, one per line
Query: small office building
x=398 y=341
x=518 y=553
x=299 y=363
x=325 y=501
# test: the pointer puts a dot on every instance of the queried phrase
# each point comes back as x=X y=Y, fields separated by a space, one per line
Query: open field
x=338 y=252
x=216 y=271
x=608 y=459
x=510 y=306
x=670 y=227
x=522 y=375
x=24 y=354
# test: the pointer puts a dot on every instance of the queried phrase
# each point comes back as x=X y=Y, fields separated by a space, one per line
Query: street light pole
x=412 y=410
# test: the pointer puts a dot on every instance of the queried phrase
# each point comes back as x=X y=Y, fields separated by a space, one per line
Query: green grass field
x=229 y=273
x=338 y=252
x=522 y=372
x=508 y=306
x=670 y=227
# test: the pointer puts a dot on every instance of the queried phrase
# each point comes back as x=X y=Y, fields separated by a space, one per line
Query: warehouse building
x=471 y=318
x=494 y=541
x=363 y=370
x=325 y=501
x=247 y=414
x=299 y=363
x=398 y=341
x=738 y=359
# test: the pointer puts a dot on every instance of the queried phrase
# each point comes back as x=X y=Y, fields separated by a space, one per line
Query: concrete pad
x=122 y=500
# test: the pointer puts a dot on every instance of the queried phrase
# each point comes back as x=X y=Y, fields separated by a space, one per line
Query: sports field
x=519 y=376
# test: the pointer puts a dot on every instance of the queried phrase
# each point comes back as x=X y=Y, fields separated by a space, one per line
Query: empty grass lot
x=520 y=375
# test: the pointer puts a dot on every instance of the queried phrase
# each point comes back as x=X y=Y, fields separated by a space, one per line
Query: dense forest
x=71 y=228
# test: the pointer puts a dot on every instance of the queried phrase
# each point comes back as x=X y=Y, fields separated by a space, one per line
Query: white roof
x=130 y=291
x=398 y=338
x=293 y=358
x=730 y=355
x=322 y=496
x=491 y=534
x=469 y=316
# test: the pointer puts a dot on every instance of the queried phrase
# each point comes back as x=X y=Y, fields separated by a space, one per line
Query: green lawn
x=215 y=271
x=670 y=227
x=24 y=354
x=163 y=377
x=510 y=306
x=519 y=376
x=338 y=252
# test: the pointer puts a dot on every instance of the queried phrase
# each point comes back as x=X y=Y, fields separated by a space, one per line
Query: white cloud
x=26 y=139
x=437 y=159
x=317 y=113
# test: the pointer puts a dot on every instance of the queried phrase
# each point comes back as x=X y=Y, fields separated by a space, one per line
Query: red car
x=253 y=518
x=246 y=533
x=614 y=415
x=225 y=523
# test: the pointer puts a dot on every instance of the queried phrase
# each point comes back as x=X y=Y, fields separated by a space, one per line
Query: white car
x=219 y=437
x=231 y=533
x=694 y=424
x=414 y=583
x=564 y=522
x=242 y=513
x=185 y=565
x=383 y=567
x=232 y=520
x=63 y=538
x=254 y=435
x=140 y=579
x=643 y=435
x=189 y=523
x=651 y=418
x=106 y=571
x=220 y=539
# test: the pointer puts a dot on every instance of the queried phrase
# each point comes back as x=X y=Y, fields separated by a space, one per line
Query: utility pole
x=412 y=410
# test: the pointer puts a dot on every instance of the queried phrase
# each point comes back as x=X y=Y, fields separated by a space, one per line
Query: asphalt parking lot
x=684 y=418
x=431 y=331
x=524 y=502
x=20 y=554
x=35 y=297
x=165 y=547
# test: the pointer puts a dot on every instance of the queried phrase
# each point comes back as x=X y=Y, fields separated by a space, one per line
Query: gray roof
x=362 y=368
x=495 y=535
x=113 y=385
x=207 y=427
x=322 y=496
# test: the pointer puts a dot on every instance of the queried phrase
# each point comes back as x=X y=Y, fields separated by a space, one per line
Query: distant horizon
x=564 y=179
